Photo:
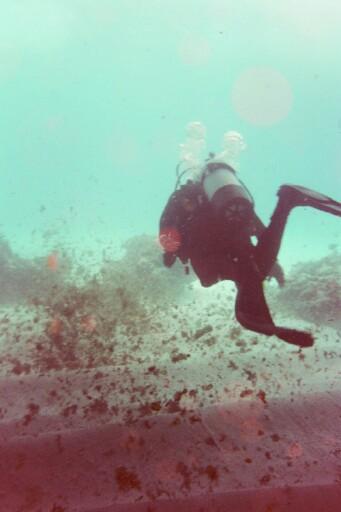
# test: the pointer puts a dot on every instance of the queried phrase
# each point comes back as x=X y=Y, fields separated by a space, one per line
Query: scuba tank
x=214 y=183
x=226 y=193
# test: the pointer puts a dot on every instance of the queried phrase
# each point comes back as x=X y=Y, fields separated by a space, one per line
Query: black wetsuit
x=219 y=250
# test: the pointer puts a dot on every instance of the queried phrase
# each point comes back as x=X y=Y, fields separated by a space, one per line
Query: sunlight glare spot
x=262 y=96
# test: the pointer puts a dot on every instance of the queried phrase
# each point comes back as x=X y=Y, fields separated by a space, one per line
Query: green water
x=95 y=96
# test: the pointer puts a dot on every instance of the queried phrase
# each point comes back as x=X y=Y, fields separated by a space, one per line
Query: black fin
x=302 y=196
x=253 y=313
x=301 y=339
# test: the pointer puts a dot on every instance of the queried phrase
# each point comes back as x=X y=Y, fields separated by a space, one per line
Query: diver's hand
x=278 y=274
x=168 y=258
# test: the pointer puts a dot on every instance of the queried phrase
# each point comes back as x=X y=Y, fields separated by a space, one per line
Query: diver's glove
x=277 y=273
x=169 y=258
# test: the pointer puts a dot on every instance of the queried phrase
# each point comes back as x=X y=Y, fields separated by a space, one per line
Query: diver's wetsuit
x=221 y=250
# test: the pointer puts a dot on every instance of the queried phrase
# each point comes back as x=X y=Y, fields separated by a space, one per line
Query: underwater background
x=95 y=332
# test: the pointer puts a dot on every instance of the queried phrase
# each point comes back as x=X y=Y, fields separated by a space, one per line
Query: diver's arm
x=167 y=225
x=168 y=259
x=173 y=218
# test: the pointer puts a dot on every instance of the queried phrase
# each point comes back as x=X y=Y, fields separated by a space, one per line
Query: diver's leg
x=269 y=242
x=290 y=196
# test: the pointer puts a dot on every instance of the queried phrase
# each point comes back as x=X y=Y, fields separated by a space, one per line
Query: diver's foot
x=301 y=339
x=295 y=195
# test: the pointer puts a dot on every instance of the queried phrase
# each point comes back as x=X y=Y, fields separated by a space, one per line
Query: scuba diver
x=210 y=222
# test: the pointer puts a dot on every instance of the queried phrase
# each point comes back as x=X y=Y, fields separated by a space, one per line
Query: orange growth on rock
x=295 y=450
x=52 y=261
x=55 y=327
x=89 y=323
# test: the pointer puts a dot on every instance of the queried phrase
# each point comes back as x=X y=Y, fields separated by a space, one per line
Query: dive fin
x=302 y=339
x=253 y=313
x=302 y=196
